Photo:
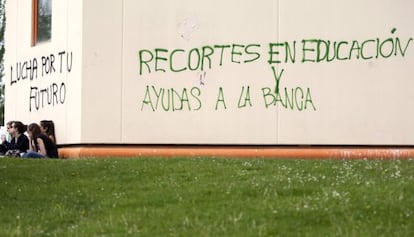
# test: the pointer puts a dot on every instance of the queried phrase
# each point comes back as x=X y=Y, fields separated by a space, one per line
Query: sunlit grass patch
x=206 y=197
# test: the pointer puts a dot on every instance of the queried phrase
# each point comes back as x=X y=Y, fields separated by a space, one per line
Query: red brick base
x=239 y=152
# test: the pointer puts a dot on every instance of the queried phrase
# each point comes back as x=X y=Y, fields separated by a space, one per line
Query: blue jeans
x=33 y=154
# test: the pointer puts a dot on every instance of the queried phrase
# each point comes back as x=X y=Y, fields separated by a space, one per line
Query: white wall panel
x=131 y=59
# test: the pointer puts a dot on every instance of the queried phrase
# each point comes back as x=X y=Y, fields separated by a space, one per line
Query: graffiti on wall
x=274 y=54
x=35 y=70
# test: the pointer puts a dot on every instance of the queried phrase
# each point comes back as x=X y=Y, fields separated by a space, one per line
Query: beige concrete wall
x=353 y=101
x=358 y=101
x=188 y=25
x=53 y=90
x=361 y=96
x=102 y=71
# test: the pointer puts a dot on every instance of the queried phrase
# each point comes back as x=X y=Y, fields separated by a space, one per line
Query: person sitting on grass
x=19 y=141
x=48 y=127
x=40 y=145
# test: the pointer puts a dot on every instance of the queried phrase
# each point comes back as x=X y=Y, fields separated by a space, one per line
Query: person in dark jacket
x=19 y=141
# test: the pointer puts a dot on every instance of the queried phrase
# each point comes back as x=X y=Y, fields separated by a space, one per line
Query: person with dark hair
x=4 y=139
x=40 y=145
x=9 y=124
x=19 y=141
x=48 y=127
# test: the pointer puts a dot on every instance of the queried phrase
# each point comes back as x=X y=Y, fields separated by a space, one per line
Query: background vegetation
x=2 y=50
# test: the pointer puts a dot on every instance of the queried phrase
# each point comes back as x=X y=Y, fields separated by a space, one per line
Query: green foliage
x=206 y=197
x=45 y=21
x=2 y=51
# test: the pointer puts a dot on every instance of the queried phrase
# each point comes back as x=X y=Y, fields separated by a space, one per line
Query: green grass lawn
x=206 y=197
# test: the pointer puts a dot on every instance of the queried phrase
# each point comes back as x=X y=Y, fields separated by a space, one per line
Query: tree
x=2 y=50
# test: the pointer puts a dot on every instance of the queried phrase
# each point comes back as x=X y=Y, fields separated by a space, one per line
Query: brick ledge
x=238 y=152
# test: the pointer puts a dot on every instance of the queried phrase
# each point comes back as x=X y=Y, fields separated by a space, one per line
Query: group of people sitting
x=32 y=141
